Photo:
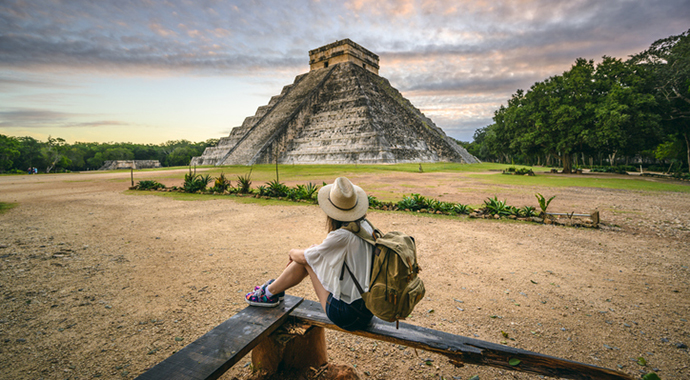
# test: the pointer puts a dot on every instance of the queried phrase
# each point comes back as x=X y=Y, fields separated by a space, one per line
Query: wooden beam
x=208 y=357
x=463 y=349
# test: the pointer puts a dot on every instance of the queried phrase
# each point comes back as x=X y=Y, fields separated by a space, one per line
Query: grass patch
x=207 y=197
x=486 y=173
x=6 y=206
x=546 y=180
x=267 y=172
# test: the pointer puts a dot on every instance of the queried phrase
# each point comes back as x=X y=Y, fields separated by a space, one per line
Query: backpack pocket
x=413 y=293
x=378 y=301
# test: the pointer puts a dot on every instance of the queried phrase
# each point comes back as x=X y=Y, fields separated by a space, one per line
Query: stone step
x=280 y=113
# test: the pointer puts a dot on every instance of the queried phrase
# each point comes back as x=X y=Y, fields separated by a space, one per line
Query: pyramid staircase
x=336 y=115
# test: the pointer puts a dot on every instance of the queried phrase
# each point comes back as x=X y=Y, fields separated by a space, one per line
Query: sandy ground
x=99 y=283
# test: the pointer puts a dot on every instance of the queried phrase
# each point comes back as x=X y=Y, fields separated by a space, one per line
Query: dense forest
x=18 y=154
x=614 y=112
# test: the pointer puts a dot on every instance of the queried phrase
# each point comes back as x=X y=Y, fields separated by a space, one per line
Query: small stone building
x=130 y=164
x=340 y=112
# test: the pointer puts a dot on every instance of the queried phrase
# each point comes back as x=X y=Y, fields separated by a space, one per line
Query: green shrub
x=614 y=169
x=440 y=206
x=543 y=203
x=149 y=185
x=262 y=190
x=276 y=189
x=414 y=202
x=527 y=211
x=195 y=182
x=244 y=183
x=520 y=171
x=495 y=207
x=306 y=192
x=462 y=209
x=222 y=184
x=373 y=202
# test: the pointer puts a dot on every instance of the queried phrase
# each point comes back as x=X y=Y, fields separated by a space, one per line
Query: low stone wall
x=130 y=164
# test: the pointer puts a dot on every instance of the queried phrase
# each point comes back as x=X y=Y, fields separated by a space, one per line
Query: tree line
x=598 y=113
x=18 y=154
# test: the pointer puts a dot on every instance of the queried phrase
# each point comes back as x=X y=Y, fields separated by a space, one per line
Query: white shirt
x=326 y=259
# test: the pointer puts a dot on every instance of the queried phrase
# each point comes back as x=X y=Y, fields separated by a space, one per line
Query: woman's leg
x=293 y=274
x=321 y=292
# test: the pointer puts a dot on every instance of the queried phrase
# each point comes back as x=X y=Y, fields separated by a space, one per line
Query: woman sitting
x=342 y=202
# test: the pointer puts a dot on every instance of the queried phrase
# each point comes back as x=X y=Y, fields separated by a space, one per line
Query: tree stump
x=291 y=347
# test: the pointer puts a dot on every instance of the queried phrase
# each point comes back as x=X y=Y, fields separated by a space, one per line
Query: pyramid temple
x=340 y=112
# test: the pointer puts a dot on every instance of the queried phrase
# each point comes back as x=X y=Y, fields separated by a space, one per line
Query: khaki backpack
x=395 y=288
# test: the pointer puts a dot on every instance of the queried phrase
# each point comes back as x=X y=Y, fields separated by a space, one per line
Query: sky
x=150 y=71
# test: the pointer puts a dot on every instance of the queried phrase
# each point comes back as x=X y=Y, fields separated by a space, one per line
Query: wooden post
x=131 y=175
x=595 y=218
x=291 y=347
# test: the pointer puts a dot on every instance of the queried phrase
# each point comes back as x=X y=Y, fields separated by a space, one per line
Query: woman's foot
x=281 y=295
x=259 y=298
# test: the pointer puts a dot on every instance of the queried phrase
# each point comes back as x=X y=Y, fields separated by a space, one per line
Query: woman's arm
x=297 y=255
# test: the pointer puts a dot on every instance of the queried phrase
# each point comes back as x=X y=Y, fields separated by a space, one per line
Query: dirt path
x=98 y=283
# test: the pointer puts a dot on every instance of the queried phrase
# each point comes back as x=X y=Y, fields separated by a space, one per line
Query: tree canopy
x=18 y=154
x=612 y=108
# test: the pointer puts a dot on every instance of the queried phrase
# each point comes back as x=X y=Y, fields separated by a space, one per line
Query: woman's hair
x=332 y=224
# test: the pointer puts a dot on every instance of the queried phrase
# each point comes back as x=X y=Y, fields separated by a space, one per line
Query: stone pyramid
x=340 y=112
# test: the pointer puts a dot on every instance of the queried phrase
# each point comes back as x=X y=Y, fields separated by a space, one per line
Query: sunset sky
x=152 y=71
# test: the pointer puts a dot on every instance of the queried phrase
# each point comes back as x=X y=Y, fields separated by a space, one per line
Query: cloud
x=461 y=58
x=13 y=80
x=229 y=39
x=42 y=118
x=93 y=124
x=32 y=116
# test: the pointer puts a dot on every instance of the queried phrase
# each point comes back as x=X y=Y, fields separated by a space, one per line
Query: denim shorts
x=354 y=316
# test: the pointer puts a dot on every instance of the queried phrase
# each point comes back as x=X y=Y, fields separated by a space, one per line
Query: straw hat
x=343 y=201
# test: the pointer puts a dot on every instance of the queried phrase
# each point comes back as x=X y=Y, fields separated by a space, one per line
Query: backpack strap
x=356 y=228
x=342 y=275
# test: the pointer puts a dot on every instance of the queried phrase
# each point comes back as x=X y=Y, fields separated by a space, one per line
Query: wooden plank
x=216 y=351
x=463 y=349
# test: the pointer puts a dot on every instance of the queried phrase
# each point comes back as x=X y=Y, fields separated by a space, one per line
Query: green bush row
x=197 y=183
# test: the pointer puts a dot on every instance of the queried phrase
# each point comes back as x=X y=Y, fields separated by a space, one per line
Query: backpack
x=395 y=288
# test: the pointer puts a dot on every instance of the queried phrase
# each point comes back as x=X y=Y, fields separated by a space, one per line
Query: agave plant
x=460 y=209
x=262 y=190
x=244 y=183
x=543 y=203
x=194 y=182
x=421 y=201
x=222 y=184
x=440 y=206
x=409 y=203
x=527 y=211
x=495 y=207
x=294 y=193
x=373 y=202
x=149 y=185
x=310 y=191
x=277 y=189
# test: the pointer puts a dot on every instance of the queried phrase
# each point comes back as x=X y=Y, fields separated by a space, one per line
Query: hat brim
x=351 y=215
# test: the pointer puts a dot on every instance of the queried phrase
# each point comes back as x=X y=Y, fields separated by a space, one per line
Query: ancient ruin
x=340 y=112
x=130 y=164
